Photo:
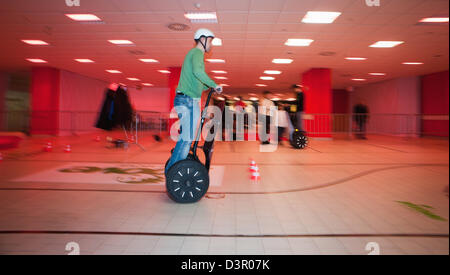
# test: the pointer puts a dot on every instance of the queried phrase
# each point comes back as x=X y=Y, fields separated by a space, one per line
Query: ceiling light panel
x=320 y=17
x=201 y=17
x=298 y=42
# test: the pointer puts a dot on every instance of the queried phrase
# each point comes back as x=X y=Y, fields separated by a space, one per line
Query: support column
x=45 y=94
x=318 y=102
x=434 y=104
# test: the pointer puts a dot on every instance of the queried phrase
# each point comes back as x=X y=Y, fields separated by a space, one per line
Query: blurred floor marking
x=423 y=209
x=216 y=177
x=168 y=234
x=118 y=173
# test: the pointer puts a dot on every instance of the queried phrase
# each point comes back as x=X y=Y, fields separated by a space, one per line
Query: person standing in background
x=282 y=122
x=220 y=103
x=300 y=99
x=240 y=103
x=360 y=116
x=240 y=108
x=265 y=105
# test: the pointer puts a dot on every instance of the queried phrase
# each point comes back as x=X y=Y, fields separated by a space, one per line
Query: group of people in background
x=284 y=123
x=117 y=111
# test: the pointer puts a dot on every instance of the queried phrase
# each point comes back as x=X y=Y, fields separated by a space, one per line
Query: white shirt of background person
x=282 y=119
x=267 y=104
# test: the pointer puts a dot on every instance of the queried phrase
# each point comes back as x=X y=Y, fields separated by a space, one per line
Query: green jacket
x=193 y=79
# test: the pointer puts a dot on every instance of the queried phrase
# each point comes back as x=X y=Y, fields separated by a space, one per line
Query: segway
x=299 y=139
x=187 y=181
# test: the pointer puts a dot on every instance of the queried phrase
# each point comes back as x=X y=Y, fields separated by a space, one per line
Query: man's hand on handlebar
x=218 y=89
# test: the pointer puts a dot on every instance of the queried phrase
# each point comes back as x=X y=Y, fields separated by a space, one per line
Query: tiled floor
x=335 y=197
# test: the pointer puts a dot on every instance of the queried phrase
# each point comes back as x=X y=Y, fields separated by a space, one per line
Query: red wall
x=81 y=97
x=341 y=100
x=150 y=99
x=435 y=90
x=45 y=93
x=3 y=87
x=394 y=105
x=63 y=102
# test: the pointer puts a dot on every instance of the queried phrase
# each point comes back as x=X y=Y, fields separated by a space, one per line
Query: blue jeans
x=188 y=110
x=290 y=128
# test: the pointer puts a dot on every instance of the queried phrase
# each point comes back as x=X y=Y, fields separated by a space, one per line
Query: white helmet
x=203 y=32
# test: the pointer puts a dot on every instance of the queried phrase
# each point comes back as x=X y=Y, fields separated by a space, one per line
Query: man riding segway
x=193 y=80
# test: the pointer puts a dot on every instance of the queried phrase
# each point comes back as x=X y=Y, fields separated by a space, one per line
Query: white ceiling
x=253 y=33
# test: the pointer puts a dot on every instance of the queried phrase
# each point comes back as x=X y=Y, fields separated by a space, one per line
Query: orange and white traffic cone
x=256 y=177
x=68 y=149
x=48 y=147
x=253 y=166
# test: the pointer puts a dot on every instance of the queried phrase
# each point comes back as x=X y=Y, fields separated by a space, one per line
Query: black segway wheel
x=165 y=166
x=299 y=140
x=187 y=181
x=190 y=156
x=167 y=162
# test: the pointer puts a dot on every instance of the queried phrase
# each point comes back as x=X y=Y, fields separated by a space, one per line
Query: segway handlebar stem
x=202 y=122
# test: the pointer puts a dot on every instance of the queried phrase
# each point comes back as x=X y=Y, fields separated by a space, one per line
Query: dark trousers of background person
x=223 y=125
x=266 y=140
x=281 y=131
x=361 y=126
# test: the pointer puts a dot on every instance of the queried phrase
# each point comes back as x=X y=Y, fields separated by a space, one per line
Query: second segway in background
x=299 y=139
